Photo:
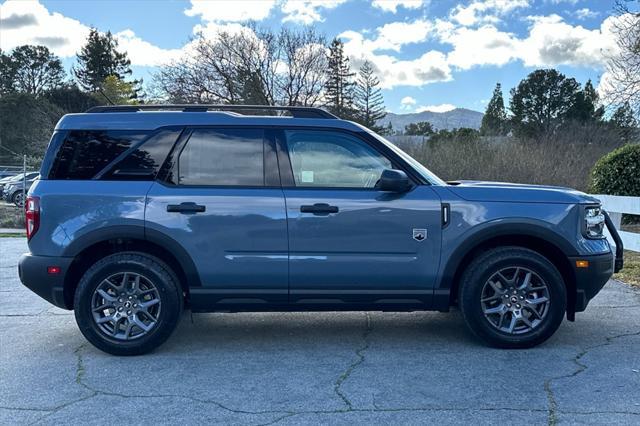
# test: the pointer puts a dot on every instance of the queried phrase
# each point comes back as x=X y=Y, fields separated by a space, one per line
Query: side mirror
x=393 y=181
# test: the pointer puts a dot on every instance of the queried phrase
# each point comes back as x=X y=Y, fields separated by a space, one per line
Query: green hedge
x=618 y=172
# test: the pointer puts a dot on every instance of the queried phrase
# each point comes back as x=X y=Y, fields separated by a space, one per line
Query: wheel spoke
x=104 y=320
x=491 y=298
x=537 y=300
x=512 y=324
x=498 y=309
x=147 y=304
x=526 y=282
x=141 y=324
x=106 y=296
x=497 y=289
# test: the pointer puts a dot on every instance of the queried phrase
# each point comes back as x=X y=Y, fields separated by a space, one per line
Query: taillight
x=32 y=215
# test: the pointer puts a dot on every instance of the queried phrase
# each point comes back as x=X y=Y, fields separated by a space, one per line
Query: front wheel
x=128 y=303
x=512 y=297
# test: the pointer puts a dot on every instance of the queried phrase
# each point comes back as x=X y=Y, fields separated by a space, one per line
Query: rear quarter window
x=84 y=153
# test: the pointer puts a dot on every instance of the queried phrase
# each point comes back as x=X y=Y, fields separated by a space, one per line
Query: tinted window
x=83 y=154
x=333 y=159
x=144 y=162
x=222 y=157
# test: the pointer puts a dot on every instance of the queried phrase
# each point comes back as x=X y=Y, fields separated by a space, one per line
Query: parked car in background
x=141 y=211
x=12 y=190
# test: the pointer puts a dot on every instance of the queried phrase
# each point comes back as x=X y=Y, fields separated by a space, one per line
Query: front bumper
x=590 y=280
x=33 y=274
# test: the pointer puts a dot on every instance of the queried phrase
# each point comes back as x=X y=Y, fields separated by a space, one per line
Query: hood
x=472 y=190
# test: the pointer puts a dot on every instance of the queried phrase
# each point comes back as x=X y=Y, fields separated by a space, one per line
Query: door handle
x=185 y=208
x=319 y=209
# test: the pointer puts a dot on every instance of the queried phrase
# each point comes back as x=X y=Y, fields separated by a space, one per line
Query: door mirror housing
x=393 y=181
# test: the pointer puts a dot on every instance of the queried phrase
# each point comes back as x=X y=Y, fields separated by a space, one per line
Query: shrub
x=618 y=172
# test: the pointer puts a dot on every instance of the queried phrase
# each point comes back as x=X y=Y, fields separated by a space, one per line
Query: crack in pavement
x=360 y=354
x=553 y=404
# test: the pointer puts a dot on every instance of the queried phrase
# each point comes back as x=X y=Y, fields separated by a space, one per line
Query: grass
x=630 y=274
x=11 y=216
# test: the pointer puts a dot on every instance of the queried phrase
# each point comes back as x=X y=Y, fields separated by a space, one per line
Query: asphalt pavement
x=317 y=368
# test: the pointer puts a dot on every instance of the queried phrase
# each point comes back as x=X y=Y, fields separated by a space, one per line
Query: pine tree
x=586 y=107
x=368 y=98
x=339 y=87
x=98 y=59
x=624 y=122
x=494 y=121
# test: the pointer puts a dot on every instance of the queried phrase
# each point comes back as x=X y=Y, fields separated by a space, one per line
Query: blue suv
x=142 y=211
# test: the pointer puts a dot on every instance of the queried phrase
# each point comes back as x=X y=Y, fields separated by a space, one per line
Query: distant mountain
x=456 y=118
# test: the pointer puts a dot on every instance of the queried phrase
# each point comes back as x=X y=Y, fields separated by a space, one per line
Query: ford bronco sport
x=141 y=211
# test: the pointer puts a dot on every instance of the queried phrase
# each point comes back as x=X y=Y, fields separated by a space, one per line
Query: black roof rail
x=295 y=111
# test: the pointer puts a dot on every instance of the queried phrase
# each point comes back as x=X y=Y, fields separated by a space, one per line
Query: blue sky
x=433 y=54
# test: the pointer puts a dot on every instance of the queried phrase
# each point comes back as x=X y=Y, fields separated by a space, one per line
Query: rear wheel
x=128 y=303
x=512 y=297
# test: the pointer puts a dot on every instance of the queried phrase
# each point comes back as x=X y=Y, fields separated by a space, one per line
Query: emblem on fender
x=419 y=234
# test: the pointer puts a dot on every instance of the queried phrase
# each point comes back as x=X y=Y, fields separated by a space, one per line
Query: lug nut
x=128 y=312
x=508 y=305
x=135 y=305
x=518 y=306
x=120 y=309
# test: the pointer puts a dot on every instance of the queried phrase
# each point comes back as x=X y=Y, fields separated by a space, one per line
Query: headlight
x=593 y=222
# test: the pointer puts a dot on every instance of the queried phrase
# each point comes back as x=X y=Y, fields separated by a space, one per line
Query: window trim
x=285 y=161
x=172 y=165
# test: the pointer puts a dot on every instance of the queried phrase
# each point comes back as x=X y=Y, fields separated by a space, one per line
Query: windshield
x=424 y=172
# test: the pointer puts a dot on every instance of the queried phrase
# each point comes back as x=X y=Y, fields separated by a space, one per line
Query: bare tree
x=622 y=81
x=251 y=66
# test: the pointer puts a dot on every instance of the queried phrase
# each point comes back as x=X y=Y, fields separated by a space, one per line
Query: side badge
x=419 y=234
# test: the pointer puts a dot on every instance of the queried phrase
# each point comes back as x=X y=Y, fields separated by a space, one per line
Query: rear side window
x=84 y=153
x=223 y=157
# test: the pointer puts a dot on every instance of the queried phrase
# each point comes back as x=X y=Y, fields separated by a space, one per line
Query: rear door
x=222 y=201
x=351 y=245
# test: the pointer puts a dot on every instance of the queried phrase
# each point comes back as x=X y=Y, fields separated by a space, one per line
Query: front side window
x=333 y=159
x=223 y=157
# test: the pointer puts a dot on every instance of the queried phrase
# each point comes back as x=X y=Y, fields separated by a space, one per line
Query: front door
x=350 y=245
x=222 y=202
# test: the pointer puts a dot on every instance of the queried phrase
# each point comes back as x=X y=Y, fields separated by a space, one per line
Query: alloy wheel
x=515 y=300
x=126 y=306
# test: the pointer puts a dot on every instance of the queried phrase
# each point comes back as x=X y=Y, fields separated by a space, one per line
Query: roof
x=151 y=117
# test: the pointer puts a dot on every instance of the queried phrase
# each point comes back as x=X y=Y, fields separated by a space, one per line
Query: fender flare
x=518 y=227
x=138 y=232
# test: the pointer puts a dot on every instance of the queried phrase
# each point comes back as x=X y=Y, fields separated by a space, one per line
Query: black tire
x=149 y=268
x=16 y=199
x=486 y=266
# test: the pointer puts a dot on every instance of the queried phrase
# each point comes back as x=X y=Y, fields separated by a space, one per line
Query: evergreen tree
x=98 y=59
x=586 y=107
x=368 y=98
x=542 y=102
x=624 y=121
x=494 y=120
x=339 y=86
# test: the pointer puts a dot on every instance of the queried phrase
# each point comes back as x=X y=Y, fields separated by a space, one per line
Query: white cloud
x=392 y=5
x=308 y=11
x=553 y=42
x=485 y=11
x=408 y=100
x=436 y=108
x=230 y=10
x=407 y=103
x=585 y=13
x=142 y=52
x=482 y=46
x=396 y=34
x=29 y=22
x=428 y=68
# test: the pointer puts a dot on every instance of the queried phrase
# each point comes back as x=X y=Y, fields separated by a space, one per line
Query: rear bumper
x=590 y=280
x=33 y=274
